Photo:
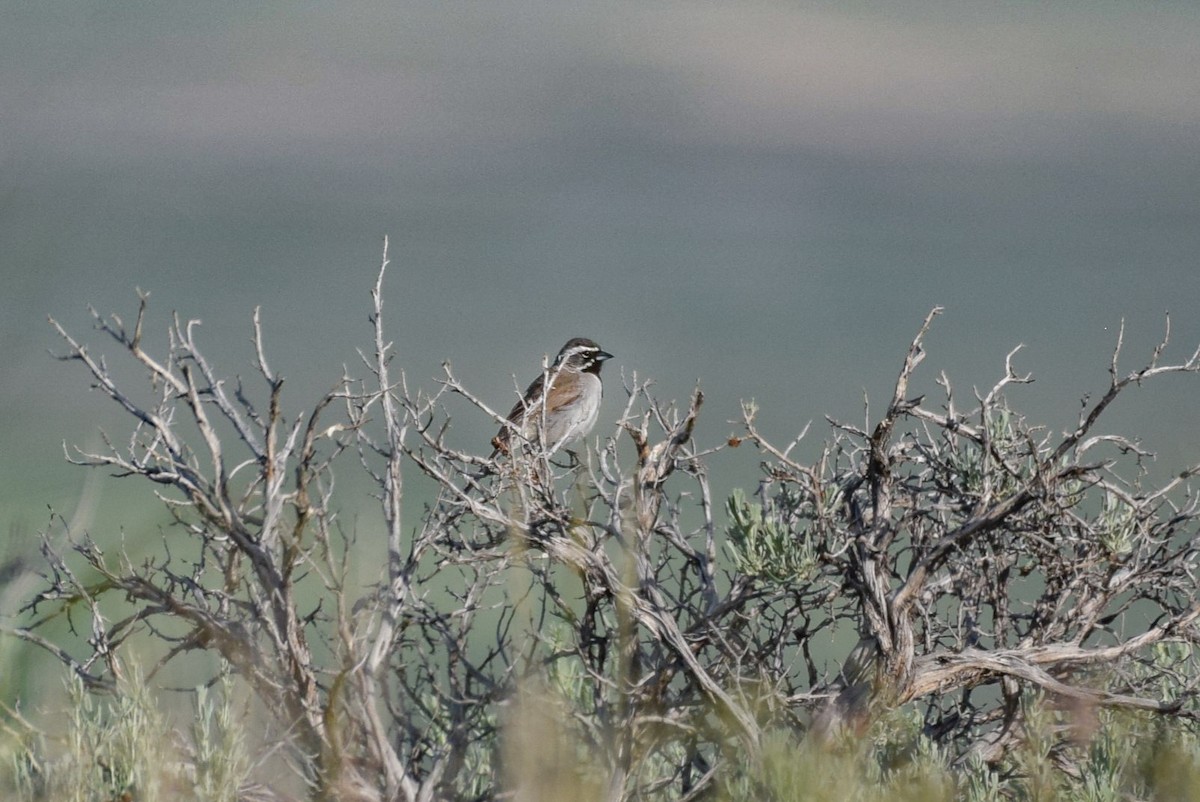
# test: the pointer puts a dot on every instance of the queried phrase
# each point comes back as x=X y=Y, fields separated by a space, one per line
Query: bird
x=551 y=419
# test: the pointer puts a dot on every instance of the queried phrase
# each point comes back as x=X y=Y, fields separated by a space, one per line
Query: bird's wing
x=531 y=399
x=563 y=394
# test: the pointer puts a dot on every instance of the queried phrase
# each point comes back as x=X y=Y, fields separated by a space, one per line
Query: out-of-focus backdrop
x=766 y=197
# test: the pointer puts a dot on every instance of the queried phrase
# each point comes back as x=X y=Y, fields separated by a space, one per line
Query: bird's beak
x=602 y=355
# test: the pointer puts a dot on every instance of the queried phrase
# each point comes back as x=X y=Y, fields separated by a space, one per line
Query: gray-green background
x=765 y=197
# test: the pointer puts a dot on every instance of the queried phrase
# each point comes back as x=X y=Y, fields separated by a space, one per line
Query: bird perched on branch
x=550 y=419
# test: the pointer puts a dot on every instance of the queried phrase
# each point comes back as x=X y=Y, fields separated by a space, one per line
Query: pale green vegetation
x=122 y=747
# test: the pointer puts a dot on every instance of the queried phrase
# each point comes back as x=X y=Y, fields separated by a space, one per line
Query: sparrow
x=566 y=412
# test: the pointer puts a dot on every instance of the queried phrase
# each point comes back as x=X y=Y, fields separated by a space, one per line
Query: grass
x=124 y=747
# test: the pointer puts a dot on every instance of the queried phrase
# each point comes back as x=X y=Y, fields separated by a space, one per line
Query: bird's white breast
x=576 y=420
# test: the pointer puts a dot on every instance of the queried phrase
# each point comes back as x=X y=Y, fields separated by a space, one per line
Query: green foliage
x=1118 y=528
x=1033 y=760
x=792 y=771
x=113 y=745
x=1176 y=658
x=978 y=782
x=125 y=746
x=761 y=546
x=222 y=759
x=1125 y=757
x=1168 y=764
